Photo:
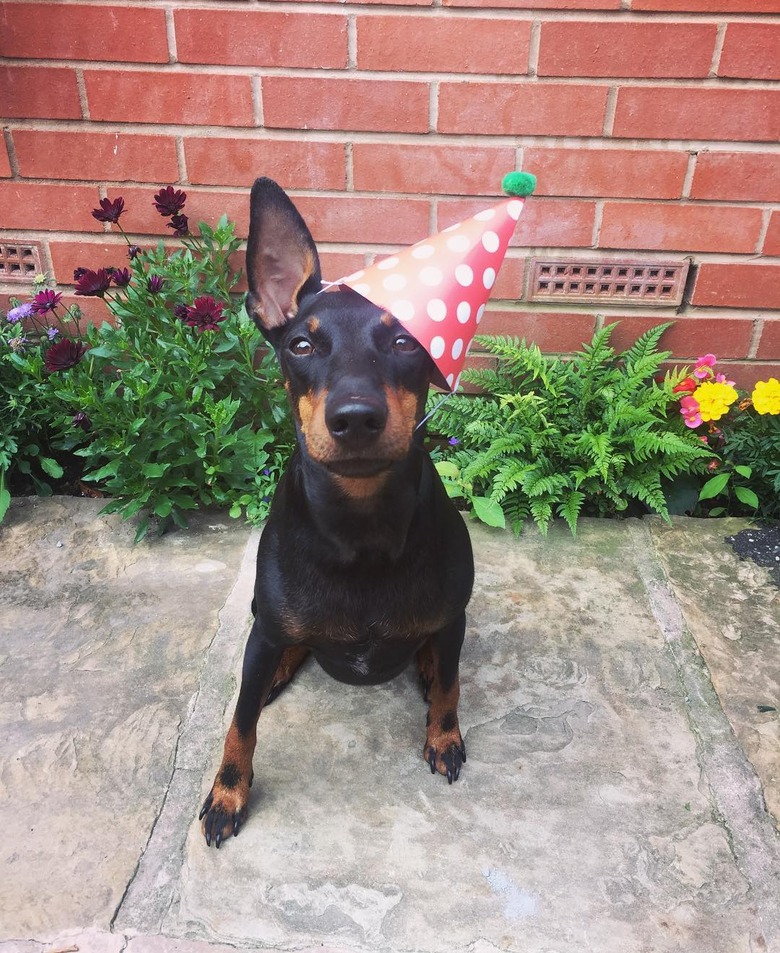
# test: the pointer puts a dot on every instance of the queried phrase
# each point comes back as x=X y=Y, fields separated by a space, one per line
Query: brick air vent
x=19 y=261
x=657 y=284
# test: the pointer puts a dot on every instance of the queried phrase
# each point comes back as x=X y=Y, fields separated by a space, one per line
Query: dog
x=364 y=561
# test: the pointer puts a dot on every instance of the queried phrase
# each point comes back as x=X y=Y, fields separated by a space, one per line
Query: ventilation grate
x=649 y=284
x=19 y=261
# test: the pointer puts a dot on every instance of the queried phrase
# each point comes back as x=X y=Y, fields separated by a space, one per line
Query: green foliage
x=550 y=437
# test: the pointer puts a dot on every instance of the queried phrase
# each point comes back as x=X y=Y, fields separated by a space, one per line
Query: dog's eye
x=405 y=343
x=301 y=347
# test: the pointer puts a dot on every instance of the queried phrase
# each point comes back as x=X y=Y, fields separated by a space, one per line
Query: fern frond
x=570 y=508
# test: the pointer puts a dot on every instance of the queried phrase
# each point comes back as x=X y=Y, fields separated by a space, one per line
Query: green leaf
x=746 y=472
x=746 y=496
x=447 y=469
x=51 y=467
x=5 y=502
x=714 y=486
x=488 y=511
x=155 y=469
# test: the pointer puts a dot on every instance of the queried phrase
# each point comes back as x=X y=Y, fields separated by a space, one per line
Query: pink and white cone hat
x=438 y=288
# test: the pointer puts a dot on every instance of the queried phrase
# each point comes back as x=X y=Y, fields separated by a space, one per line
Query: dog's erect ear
x=281 y=257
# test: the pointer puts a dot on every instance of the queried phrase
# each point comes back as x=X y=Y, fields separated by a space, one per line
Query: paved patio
x=619 y=705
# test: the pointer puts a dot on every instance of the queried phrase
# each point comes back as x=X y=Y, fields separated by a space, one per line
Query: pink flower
x=721 y=379
x=689 y=408
x=704 y=366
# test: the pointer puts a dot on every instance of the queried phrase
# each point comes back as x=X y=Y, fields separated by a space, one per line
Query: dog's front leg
x=438 y=662
x=225 y=808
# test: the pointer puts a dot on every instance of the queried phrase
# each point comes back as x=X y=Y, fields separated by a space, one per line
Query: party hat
x=438 y=288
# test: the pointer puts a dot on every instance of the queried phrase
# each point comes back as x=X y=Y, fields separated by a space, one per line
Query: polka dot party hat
x=438 y=288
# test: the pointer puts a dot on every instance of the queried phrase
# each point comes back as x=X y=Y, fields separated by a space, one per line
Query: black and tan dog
x=364 y=561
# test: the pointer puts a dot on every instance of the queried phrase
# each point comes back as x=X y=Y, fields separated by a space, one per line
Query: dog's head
x=357 y=381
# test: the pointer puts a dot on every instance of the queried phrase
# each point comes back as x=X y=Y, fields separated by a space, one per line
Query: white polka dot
x=437 y=347
x=514 y=209
x=486 y=215
x=489 y=277
x=452 y=228
x=464 y=275
x=394 y=282
x=458 y=243
x=362 y=289
x=356 y=277
x=431 y=276
x=480 y=312
x=437 y=309
x=403 y=310
x=450 y=379
x=423 y=251
x=457 y=349
x=490 y=241
x=387 y=263
x=464 y=312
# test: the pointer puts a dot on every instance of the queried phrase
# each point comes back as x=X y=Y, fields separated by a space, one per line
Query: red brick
x=687 y=112
x=5 y=162
x=544 y=222
x=438 y=44
x=772 y=239
x=737 y=176
x=607 y=48
x=769 y=342
x=689 y=336
x=746 y=373
x=70 y=31
x=261 y=38
x=708 y=6
x=194 y=99
x=335 y=265
x=538 y=4
x=295 y=164
x=510 y=281
x=365 y=221
x=38 y=92
x=66 y=256
x=751 y=51
x=543 y=109
x=25 y=205
x=737 y=286
x=371 y=105
x=618 y=173
x=465 y=170
x=118 y=157
x=554 y=332
x=671 y=227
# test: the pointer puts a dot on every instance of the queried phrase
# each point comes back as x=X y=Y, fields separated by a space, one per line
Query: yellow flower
x=766 y=396
x=714 y=399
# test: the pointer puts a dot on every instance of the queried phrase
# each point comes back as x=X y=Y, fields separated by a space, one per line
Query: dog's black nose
x=357 y=420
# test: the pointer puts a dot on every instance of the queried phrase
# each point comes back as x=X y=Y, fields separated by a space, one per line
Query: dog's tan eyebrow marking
x=313 y=325
x=386 y=319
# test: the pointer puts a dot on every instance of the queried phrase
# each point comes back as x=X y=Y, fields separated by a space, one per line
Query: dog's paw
x=223 y=813
x=446 y=756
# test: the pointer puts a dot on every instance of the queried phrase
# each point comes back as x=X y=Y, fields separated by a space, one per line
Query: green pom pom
x=518 y=183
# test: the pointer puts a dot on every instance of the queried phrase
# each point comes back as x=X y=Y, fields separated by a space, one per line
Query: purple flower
x=52 y=333
x=93 y=284
x=170 y=201
x=66 y=353
x=19 y=313
x=453 y=441
x=79 y=273
x=180 y=224
x=46 y=300
x=155 y=284
x=180 y=311
x=133 y=251
x=121 y=277
x=81 y=420
x=109 y=211
x=205 y=314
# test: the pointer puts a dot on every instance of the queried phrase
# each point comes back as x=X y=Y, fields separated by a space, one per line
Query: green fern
x=589 y=435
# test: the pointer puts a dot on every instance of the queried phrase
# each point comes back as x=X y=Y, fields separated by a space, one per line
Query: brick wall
x=652 y=126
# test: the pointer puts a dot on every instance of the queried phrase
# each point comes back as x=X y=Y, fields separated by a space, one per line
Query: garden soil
x=619 y=706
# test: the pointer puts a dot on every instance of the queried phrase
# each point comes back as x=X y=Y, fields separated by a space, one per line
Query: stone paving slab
x=606 y=804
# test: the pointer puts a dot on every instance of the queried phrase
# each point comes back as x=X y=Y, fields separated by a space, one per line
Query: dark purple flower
x=93 y=284
x=46 y=300
x=121 y=277
x=205 y=314
x=79 y=273
x=66 y=353
x=19 y=313
x=180 y=311
x=81 y=420
x=155 y=284
x=170 y=201
x=180 y=225
x=133 y=251
x=109 y=211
